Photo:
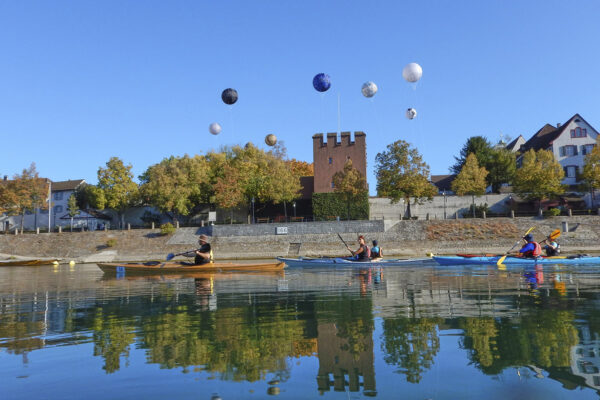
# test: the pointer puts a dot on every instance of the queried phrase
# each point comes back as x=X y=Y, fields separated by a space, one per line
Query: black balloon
x=229 y=96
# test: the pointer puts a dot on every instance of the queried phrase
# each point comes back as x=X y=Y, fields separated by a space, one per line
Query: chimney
x=558 y=125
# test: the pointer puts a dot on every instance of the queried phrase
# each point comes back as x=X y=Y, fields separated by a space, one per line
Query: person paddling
x=362 y=253
x=202 y=255
x=552 y=248
x=531 y=249
x=376 y=251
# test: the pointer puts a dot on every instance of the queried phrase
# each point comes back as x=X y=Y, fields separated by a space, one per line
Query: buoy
x=430 y=255
x=71 y=263
x=54 y=262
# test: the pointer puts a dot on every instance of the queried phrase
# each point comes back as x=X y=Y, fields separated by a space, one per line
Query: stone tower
x=329 y=157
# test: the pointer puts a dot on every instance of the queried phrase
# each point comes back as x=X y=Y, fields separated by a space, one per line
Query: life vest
x=375 y=252
x=536 y=252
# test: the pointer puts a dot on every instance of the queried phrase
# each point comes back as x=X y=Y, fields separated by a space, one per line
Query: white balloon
x=369 y=89
x=214 y=128
x=412 y=72
x=411 y=113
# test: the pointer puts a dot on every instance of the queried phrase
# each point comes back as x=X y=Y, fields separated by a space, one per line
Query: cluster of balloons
x=412 y=72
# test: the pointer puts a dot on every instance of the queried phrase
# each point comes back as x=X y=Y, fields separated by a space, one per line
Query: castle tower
x=329 y=157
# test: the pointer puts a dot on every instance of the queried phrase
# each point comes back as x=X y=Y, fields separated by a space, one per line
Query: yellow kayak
x=180 y=268
x=10 y=263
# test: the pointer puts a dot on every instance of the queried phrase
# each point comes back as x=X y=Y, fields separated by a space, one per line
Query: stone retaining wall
x=405 y=238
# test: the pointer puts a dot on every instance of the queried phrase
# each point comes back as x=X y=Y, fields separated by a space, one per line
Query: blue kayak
x=323 y=262
x=482 y=260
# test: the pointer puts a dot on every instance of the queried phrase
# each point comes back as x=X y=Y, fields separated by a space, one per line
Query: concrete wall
x=382 y=208
x=296 y=228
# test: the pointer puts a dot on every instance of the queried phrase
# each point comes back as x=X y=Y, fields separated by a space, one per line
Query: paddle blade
x=500 y=260
x=170 y=256
x=555 y=234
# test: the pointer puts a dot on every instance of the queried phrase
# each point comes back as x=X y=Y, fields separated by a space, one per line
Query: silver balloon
x=369 y=89
x=270 y=139
x=412 y=72
x=411 y=113
x=214 y=128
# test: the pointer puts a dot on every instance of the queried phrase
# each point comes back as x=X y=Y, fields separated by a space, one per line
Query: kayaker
x=362 y=253
x=531 y=249
x=202 y=255
x=552 y=248
x=376 y=251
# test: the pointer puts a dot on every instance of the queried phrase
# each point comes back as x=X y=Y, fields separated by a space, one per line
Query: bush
x=167 y=229
x=551 y=212
x=478 y=211
x=328 y=205
x=111 y=242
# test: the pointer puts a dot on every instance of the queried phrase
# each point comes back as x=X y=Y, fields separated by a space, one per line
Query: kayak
x=10 y=263
x=482 y=260
x=321 y=262
x=179 y=268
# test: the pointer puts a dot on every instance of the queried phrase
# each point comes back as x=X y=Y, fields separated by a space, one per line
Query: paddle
x=170 y=256
x=345 y=244
x=554 y=235
x=501 y=259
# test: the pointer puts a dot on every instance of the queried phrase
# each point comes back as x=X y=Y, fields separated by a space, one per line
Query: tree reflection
x=411 y=344
x=112 y=337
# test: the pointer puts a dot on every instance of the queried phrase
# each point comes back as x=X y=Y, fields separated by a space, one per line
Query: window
x=58 y=195
x=570 y=171
x=330 y=160
x=58 y=209
x=568 y=151
x=332 y=185
x=578 y=132
x=587 y=149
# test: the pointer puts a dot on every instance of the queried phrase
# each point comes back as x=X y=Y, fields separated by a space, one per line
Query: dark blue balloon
x=322 y=82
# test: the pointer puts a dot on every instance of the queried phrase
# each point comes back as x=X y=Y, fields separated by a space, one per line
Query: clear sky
x=82 y=81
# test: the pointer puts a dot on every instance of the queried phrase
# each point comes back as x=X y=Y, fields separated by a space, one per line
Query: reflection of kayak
x=179 y=268
x=215 y=275
x=322 y=262
x=480 y=260
x=8 y=263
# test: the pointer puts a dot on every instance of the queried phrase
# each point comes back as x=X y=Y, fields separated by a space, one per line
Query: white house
x=570 y=142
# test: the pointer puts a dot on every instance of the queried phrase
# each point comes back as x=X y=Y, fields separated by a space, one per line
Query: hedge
x=328 y=206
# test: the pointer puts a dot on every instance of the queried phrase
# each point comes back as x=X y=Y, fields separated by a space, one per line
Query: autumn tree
x=229 y=192
x=116 y=182
x=590 y=175
x=539 y=177
x=25 y=192
x=176 y=185
x=470 y=180
x=350 y=184
x=72 y=208
x=402 y=174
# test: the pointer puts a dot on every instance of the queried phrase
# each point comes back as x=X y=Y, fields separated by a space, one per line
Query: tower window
x=332 y=185
x=330 y=160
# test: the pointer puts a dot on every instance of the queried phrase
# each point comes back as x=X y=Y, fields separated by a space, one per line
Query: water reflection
x=533 y=323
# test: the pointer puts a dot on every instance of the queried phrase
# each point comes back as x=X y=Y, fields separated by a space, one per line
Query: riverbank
x=397 y=238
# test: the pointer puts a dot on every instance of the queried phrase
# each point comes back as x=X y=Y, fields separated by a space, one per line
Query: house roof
x=511 y=145
x=66 y=185
x=547 y=134
x=442 y=182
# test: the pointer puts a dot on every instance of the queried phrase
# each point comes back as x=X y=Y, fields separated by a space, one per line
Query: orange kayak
x=10 y=263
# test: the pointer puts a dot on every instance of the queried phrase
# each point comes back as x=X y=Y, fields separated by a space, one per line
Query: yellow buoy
x=71 y=263
x=429 y=254
x=54 y=262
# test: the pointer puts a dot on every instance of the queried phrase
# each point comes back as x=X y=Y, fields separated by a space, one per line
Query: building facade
x=330 y=157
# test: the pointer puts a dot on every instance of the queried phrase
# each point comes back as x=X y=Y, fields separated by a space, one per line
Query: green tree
x=477 y=145
x=539 y=177
x=471 y=180
x=591 y=170
x=176 y=185
x=502 y=168
x=116 y=182
x=350 y=184
x=402 y=174
x=72 y=208
x=90 y=196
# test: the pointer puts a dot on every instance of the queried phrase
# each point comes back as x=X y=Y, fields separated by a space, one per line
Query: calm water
x=409 y=332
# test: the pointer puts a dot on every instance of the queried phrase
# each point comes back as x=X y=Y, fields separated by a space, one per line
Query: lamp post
x=294 y=205
x=444 y=194
x=253 y=210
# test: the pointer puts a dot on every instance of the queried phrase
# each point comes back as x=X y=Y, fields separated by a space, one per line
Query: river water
x=414 y=332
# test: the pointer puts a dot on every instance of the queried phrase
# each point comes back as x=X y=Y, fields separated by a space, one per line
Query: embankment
x=397 y=238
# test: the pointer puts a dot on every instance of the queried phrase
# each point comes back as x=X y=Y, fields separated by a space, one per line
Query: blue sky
x=81 y=81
